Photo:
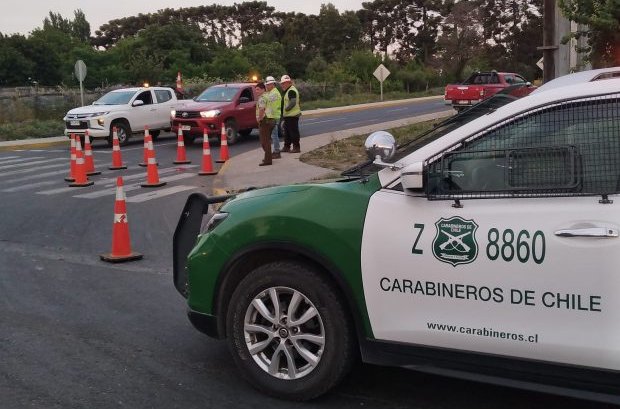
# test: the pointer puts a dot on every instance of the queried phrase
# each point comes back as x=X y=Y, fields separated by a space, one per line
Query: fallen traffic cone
x=207 y=164
x=81 y=179
x=223 y=146
x=117 y=160
x=121 y=245
x=181 y=158
x=71 y=176
x=152 y=175
x=88 y=157
x=147 y=135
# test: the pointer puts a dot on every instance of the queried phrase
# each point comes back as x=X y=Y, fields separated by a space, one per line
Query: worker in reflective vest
x=291 y=111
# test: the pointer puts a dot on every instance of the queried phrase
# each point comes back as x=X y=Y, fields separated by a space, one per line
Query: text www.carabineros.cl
x=483 y=332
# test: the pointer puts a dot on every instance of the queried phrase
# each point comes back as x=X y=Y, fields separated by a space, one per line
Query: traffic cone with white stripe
x=181 y=158
x=117 y=159
x=71 y=176
x=207 y=164
x=81 y=179
x=88 y=157
x=152 y=175
x=147 y=137
x=224 y=156
x=121 y=245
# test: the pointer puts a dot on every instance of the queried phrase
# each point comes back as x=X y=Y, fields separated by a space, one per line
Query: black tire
x=188 y=139
x=333 y=359
x=232 y=134
x=245 y=132
x=155 y=134
x=123 y=131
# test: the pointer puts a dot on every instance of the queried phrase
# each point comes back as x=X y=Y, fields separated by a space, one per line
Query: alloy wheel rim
x=284 y=333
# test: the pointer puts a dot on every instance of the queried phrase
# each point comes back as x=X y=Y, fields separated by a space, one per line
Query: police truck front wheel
x=289 y=332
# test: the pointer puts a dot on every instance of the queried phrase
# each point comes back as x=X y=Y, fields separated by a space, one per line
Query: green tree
x=80 y=27
x=15 y=67
x=600 y=20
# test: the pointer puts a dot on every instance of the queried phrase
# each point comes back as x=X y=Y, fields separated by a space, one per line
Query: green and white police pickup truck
x=489 y=251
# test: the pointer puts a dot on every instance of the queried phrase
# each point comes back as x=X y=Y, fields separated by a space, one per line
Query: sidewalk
x=242 y=171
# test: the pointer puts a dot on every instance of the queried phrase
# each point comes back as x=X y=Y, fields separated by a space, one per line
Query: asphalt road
x=79 y=333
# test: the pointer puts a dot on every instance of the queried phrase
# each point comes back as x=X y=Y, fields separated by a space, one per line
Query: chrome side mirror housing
x=412 y=176
x=380 y=146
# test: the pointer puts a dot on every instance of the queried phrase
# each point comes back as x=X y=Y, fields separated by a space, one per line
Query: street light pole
x=548 y=48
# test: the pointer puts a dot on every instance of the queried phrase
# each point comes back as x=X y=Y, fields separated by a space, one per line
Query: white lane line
x=159 y=193
x=38 y=176
x=136 y=148
x=36 y=162
x=30 y=186
x=131 y=187
x=38 y=168
x=8 y=158
x=358 y=123
x=397 y=109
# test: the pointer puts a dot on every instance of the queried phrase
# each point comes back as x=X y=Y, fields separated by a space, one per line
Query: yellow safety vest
x=296 y=110
x=274 y=101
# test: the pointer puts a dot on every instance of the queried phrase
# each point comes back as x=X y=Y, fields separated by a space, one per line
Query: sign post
x=381 y=73
x=80 y=74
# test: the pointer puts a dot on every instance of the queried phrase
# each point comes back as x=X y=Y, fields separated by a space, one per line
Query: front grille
x=188 y=114
x=82 y=125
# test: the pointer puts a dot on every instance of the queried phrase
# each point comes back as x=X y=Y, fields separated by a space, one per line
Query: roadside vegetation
x=345 y=153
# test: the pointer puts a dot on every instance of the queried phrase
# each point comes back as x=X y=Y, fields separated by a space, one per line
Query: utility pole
x=548 y=48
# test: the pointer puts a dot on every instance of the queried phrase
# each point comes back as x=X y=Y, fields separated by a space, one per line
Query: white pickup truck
x=127 y=109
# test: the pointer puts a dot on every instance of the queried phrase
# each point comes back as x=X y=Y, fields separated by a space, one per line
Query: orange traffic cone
x=80 y=168
x=121 y=245
x=207 y=165
x=145 y=160
x=71 y=176
x=117 y=160
x=223 y=146
x=88 y=157
x=152 y=175
x=181 y=158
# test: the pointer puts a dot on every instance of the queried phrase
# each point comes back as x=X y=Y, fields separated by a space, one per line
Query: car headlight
x=210 y=114
x=173 y=113
x=214 y=222
x=100 y=121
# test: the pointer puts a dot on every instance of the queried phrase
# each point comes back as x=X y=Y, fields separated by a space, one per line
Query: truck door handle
x=589 y=230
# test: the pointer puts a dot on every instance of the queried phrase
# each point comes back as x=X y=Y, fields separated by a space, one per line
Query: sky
x=22 y=16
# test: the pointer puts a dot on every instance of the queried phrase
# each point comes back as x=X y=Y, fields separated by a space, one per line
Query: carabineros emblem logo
x=455 y=241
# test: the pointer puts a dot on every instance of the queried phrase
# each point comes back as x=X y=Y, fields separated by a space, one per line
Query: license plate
x=462 y=101
x=186 y=127
x=75 y=123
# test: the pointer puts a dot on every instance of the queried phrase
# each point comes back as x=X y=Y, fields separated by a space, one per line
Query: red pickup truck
x=230 y=105
x=481 y=85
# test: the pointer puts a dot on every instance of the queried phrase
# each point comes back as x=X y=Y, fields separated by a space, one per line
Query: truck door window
x=163 y=95
x=146 y=97
x=246 y=93
x=572 y=148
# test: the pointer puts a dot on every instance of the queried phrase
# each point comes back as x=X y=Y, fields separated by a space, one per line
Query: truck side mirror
x=137 y=103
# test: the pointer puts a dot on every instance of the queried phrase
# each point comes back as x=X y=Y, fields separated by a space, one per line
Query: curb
x=37 y=143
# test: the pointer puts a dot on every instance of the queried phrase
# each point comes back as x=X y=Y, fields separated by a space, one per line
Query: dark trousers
x=264 y=132
x=291 y=132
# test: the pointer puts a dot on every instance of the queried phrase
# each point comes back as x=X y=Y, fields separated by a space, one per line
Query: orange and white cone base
x=181 y=157
x=117 y=159
x=88 y=157
x=71 y=176
x=224 y=156
x=121 y=244
x=207 y=163
x=81 y=179
x=152 y=175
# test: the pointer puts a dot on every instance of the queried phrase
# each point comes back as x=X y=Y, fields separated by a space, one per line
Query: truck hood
x=203 y=106
x=96 y=109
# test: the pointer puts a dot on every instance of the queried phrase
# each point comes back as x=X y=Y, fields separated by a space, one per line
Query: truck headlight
x=100 y=121
x=97 y=114
x=210 y=114
x=213 y=222
x=173 y=113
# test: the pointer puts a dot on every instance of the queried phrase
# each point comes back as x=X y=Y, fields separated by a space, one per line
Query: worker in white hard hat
x=291 y=111
x=268 y=115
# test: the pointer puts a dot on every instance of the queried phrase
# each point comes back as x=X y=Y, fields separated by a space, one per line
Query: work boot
x=286 y=149
x=295 y=150
x=276 y=155
x=264 y=163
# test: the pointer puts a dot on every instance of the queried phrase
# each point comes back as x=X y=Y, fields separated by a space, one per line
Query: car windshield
x=217 y=94
x=415 y=142
x=115 y=98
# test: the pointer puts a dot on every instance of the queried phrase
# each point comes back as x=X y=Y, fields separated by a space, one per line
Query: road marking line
x=397 y=109
x=38 y=176
x=307 y=121
x=30 y=186
x=36 y=162
x=7 y=159
x=159 y=193
x=128 y=188
x=38 y=168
